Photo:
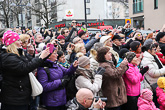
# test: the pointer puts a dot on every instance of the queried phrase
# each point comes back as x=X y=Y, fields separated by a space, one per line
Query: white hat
x=104 y=38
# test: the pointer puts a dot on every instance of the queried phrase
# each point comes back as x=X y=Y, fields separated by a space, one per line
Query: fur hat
x=122 y=52
x=116 y=37
x=135 y=45
x=146 y=94
x=10 y=37
x=130 y=56
x=81 y=32
x=104 y=38
x=97 y=45
x=83 y=61
x=161 y=82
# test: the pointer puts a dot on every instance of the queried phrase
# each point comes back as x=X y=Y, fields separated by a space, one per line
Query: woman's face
x=138 y=50
x=139 y=36
x=53 y=56
x=108 y=56
x=158 y=49
x=25 y=43
x=83 y=50
x=18 y=43
x=152 y=51
x=108 y=42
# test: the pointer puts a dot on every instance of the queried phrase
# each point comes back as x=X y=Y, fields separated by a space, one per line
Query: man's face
x=84 y=36
x=39 y=38
x=117 y=42
x=79 y=40
x=66 y=33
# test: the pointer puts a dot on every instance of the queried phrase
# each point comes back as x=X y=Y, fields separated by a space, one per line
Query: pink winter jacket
x=132 y=79
x=160 y=98
x=145 y=104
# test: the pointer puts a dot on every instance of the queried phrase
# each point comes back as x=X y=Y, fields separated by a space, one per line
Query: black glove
x=100 y=71
x=144 y=70
x=65 y=80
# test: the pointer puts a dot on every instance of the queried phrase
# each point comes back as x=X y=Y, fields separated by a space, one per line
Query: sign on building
x=128 y=21
x=69 y=13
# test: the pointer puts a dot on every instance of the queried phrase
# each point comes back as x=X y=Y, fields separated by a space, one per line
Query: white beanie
x=104 y=38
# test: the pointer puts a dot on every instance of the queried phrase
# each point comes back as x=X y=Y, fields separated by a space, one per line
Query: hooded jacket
x=160 y=98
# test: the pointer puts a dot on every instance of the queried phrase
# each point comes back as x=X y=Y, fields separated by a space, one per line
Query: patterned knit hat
x=10 y=37
x=83 y=61
x=146 y=94
x=130 y=56
x=161 y=82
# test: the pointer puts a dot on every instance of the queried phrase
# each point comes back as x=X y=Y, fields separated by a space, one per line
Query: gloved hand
x=144 y=70
x=100 y=71
x=65 y=80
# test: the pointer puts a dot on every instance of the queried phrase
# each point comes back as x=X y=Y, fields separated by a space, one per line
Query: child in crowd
x=132 y=79
x=160 y=92
x=145 y=100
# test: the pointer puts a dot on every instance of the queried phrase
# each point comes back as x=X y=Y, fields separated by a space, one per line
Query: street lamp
x=14 y=5
x=85 y=13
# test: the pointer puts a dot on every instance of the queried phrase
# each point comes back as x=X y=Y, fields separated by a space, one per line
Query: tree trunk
x=7 y=22
x=17 y=19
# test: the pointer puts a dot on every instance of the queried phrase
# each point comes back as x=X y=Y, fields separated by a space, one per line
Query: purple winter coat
x=52 y=94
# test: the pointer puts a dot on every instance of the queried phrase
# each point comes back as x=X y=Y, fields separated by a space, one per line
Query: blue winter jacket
x=53 y=93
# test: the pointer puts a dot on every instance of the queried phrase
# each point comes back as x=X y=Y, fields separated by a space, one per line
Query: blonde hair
x=78 y=47
x=12 y=48
x=24 y=37
x=94 y=53
x=79 y=54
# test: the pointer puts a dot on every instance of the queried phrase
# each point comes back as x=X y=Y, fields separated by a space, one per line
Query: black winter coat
x=16 y=87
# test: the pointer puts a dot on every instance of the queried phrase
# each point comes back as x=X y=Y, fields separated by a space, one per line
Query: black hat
x=128 y=32
x=159 y=36
x=122 y=52
x=135 y=45
x=130 y=56
x=116 y=37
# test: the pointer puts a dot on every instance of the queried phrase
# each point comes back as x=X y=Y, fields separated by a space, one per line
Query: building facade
x=147 y=13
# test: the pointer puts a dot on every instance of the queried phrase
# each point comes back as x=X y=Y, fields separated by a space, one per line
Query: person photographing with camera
x=84 y=100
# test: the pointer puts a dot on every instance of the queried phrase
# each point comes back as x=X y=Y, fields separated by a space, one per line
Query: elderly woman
x=51 y=76
x=156 y=68
x=16 y=65
x=113 y=86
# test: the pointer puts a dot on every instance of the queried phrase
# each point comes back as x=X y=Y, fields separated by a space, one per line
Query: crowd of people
x=78 y=69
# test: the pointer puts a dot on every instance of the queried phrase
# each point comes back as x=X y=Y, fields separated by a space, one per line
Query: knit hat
x=146 y=94
x=161 y=82
x=104 y=38
x=10 y=37
x=148 y=42
x=159 y=36
x=130 y=56
x=83 y=61
x=97 y=46
x=60 y=37
x=122 y=52
x=135 y=45
x=81 y=32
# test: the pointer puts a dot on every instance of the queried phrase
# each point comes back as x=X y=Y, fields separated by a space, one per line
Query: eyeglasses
x=154 y=49
x=91 y=99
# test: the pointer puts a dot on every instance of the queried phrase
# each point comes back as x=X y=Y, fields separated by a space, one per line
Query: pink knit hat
x=146 y=94
x=9 y=37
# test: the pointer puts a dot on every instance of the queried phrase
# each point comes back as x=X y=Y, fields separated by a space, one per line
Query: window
x=155 y=4
x=88 y=11
x=137 y=6
x=87 y=1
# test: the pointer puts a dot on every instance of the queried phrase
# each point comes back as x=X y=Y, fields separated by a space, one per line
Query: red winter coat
x=161 y=57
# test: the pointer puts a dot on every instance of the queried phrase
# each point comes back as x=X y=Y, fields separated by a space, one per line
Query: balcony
x=138 y=7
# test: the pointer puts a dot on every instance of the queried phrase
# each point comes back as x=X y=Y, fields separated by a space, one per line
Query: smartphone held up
x=51 y=46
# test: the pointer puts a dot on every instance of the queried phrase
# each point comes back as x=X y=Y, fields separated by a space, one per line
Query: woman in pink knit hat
x=145 y=100
x=16 y=66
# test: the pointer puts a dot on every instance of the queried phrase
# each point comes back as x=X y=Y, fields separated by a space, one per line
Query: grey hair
x=75 y=39
x=35 y=36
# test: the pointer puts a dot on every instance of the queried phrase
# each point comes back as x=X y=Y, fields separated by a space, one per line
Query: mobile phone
x=31 y=41
x=99 y=35
x=69 y=45
x=51 y=46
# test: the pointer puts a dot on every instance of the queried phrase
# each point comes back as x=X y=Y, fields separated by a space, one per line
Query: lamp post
x=28 y=5
x=85 y=13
